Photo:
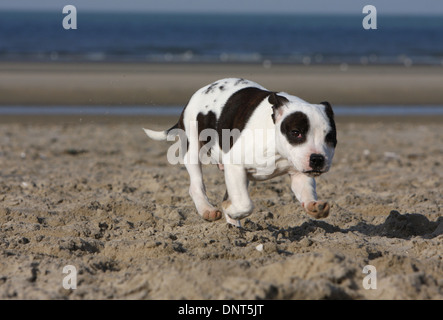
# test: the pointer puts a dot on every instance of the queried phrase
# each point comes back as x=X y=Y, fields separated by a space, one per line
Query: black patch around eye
x=295 y=127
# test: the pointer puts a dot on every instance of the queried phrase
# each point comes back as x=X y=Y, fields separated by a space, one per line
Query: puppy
x=252 y=134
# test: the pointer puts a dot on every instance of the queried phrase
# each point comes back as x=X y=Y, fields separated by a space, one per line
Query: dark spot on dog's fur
x=295 y=127
x=331 y=136
x=206 y=121
x=222 y=88
x=211 y=88
x=240 y=81
x=237 y=111
x=180 y=125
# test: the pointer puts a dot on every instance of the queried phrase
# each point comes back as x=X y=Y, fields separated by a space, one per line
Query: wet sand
x=169 y=84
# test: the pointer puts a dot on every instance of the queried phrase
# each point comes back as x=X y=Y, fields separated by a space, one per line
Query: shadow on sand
x=396 y=225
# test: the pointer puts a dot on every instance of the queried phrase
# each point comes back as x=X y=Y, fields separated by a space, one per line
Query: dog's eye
x=296 y=133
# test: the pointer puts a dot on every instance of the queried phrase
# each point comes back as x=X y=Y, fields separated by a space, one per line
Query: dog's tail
x=161 y=135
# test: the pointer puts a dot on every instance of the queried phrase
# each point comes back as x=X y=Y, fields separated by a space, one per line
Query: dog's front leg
x=239 y=204
x=303 y=187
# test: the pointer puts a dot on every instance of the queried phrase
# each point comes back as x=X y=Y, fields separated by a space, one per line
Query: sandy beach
x=95 y=193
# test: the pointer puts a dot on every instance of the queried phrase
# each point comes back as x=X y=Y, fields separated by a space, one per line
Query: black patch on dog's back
x=331 y=136
x=206 y=121
x=237 y=111
x=295 y=127
x=180 y=124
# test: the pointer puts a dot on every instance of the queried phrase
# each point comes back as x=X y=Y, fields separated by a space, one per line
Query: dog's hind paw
x=212 y=215
x=317 y=209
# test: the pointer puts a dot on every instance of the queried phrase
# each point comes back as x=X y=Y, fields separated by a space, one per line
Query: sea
x=221 y=38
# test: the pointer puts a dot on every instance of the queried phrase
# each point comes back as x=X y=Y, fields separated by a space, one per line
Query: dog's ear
x=332 y=135
x=276 y=101
x=328 y=109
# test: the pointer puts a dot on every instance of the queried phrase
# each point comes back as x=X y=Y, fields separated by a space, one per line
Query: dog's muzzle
x=317 y=163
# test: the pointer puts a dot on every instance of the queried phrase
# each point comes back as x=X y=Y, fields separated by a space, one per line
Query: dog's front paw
x=234 y=222
x=212 y=215
x=317 y=209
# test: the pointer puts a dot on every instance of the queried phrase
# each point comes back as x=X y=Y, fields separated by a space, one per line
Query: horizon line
x=186 y=12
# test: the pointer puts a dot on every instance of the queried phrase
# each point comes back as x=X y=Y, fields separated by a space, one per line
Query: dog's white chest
x=282 y=166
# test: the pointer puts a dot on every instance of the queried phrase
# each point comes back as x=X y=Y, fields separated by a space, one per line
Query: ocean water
x=298 y=39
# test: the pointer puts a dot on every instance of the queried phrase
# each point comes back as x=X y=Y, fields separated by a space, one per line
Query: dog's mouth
x=313 y=173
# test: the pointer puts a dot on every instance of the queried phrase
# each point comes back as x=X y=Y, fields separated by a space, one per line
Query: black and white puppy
x=253 y=134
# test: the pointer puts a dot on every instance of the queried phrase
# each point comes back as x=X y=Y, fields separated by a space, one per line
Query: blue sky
x=236 y=6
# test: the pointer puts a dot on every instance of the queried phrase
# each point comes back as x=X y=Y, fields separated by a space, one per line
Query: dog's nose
x=316 y=161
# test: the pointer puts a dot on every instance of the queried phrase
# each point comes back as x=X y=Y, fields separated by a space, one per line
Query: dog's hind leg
x=197 y=188
x=197 y=192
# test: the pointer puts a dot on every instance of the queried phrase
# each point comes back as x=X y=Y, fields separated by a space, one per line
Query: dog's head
x=305 y=133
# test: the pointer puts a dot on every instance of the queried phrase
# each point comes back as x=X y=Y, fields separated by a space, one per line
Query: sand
x=96 y=194
x=101 y=196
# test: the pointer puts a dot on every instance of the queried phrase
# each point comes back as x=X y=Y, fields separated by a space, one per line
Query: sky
x=234 y=6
